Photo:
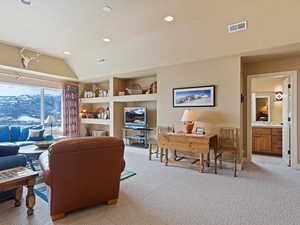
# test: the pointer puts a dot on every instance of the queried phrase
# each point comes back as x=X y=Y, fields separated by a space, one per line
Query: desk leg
x=208 y=159
x=202 y=162
x=166 y=157
x=161 y=154
x=215 y=155
x=30 y=198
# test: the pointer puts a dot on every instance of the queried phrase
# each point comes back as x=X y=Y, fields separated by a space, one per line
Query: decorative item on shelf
x=188 y=118
x=107 y=113
x=121 y=93
x=50 y=120
x=100 y=113
x=92 y=115
x=202 y=96
x=83 y=113
x=88 y=94
x=135 y=89
x=200 y=130
x=153 y=88
x=101 y=92
x=278 y=96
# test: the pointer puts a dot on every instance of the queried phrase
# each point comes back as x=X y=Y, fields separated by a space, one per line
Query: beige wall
x=224 y=73
x=9 y=56
x=276 y=65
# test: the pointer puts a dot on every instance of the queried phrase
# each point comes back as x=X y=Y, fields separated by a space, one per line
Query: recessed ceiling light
x=67 y=53
x=169 y=18
x=26 y=2
x=101 y=60
x=106 y=39
x=107 y=9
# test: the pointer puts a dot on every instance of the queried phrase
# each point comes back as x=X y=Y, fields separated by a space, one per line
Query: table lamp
x=50 y=120
x=188 y=118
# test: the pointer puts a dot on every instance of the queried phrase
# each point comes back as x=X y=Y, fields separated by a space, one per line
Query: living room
x=138 y=112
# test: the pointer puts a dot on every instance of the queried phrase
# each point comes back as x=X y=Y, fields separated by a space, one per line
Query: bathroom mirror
x=262 y=109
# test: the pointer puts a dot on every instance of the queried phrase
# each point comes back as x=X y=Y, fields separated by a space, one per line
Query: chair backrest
x=229 y=137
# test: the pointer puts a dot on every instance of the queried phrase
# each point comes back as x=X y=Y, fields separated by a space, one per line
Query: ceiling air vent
x=237 y=27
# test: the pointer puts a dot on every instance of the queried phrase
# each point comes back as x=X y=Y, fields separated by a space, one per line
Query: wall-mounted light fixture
x=278 y=96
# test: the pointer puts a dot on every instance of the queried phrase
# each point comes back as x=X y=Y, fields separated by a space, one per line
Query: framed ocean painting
x=202 y=96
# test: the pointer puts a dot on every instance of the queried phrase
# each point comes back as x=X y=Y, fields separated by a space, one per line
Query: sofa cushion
x=4 y=133
x=8 y=149
x=25 y=131
x=15 y=133
x=36 y=135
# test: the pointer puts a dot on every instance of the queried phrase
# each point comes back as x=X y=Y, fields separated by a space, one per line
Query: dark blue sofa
x=15 y=136
x=19 y=135
x=9 y=158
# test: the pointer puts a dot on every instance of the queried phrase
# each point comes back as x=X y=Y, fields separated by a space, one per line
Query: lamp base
x=189 y=127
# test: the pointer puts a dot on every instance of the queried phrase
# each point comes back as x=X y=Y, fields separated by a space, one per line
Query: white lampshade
x=188 y=115
x=50 y=120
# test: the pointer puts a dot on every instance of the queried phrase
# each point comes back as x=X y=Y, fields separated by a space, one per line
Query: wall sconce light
x=278 y=96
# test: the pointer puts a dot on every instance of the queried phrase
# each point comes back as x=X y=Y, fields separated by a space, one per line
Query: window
x=26 y=105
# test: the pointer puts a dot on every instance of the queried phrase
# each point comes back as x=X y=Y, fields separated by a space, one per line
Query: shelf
x=135 y=98
x=95 y=100
x=96 y=121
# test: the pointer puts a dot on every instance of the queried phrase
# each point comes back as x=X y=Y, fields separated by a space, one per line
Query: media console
x=140 y=135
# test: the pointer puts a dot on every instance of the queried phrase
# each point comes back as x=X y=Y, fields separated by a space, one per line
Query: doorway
x=272 y=117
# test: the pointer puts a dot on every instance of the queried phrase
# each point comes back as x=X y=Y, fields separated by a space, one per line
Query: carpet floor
x=263 y=194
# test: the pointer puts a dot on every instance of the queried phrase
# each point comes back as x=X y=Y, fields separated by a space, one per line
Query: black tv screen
x=135 y=116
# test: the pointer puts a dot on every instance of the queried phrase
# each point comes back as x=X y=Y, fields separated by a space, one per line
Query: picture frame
x=200 y=131
x=200 y=96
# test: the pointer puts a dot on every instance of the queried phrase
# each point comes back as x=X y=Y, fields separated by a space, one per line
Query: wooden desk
x=201 y=144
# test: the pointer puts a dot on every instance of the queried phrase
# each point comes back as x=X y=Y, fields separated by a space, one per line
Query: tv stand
x=141 y=136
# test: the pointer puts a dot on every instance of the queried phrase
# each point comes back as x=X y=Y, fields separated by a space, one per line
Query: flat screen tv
x=135 y=117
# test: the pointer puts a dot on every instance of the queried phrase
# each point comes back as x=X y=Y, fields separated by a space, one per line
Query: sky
x=16 y=90
x=203 y=92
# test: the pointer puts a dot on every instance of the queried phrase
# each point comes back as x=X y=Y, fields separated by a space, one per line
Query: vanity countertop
x=266 y=125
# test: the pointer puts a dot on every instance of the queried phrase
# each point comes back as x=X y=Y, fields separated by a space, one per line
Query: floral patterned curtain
x=71 y=110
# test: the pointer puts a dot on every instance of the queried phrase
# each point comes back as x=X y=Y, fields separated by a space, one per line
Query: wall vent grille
x=237 y=27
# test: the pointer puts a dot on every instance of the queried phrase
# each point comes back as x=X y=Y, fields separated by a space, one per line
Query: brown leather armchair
x=82 y=172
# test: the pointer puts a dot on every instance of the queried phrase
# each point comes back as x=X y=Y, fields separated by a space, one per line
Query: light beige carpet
x=263 y=194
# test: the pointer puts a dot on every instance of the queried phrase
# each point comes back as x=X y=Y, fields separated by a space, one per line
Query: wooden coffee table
x=16 y=178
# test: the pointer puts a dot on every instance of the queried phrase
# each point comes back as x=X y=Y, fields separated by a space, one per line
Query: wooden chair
x=153 y=146
x=229 y=146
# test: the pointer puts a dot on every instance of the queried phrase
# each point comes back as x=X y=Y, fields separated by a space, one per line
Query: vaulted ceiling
x=141 y=39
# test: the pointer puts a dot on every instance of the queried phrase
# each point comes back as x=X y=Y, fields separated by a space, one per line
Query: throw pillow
x=4 y=134
x=36 y=135
x=25 y=132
